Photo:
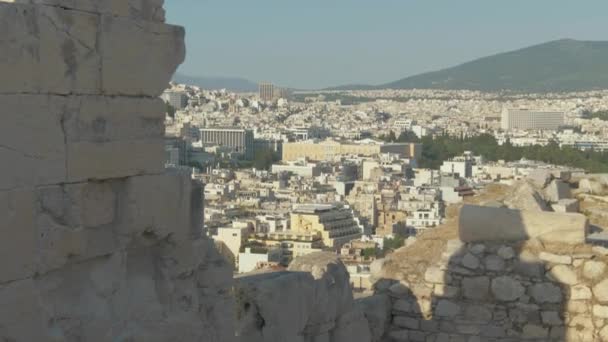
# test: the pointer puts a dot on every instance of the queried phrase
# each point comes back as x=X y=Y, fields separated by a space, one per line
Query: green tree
x=170 y=109
x=264 y=159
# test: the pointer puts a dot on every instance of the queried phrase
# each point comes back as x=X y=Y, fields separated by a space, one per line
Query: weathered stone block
x=558 y=190
x=21 y=313
x=102 y=119
x=555 y=258
x=600 y=291
x=48 y=50
x=476 y=287
x=499 y=224
x=158 y=206
x=546 y=293
x=564 y=275
x=580 y=292
x=32 y=147
x=566 y=206
x=55 y=50
x=18 y=245
x=447 y=308
x=436 y=275
x=137 y=9
x=507 y=289
x=114 y=159
x=139 y=47
x=594 y=269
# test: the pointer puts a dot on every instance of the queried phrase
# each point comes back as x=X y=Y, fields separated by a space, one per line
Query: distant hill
x=562 y=65
x=240 y=85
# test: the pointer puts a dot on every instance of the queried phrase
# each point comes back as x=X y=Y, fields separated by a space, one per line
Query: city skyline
x=370 y=44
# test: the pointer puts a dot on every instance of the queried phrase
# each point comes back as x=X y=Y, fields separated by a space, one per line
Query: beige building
x=335 y=224
x=329 y=149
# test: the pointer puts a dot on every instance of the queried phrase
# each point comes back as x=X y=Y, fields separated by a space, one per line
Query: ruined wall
x=528 y=285
x=310 y=302
x=99 y=241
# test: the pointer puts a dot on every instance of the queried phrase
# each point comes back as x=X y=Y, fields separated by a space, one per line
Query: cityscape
x=142 y=202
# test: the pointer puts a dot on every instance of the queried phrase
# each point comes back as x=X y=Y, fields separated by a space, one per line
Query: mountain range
x=557 y=66
x=560 y=66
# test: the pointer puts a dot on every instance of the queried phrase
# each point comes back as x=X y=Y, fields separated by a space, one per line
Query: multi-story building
x=240 y=140
x=523 y=119
x=266 y=91
x=330 y=149
x=300 y=168
x=335 y=223
x=176 y=150
x=177 y=99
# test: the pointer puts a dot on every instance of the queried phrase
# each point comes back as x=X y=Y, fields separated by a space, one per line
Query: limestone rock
x=497 y=224
x=555 y=258
x=437 y=276
x=476 y=288
x=506 y=252
x=17 y=221
x=447 y=308
x=470 y=261
x=580 y=292
x=600 y=291
x=546 y=293
x=600 y=311
x=494 y=263
x=540 y=177
x=564 y=274
x=557 y=190
x=566 y=206
x=377 y=311
x=507 y=289
x=594 y=269
x=525 y=196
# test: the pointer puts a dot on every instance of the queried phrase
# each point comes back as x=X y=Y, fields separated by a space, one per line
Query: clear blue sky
x=320 y=43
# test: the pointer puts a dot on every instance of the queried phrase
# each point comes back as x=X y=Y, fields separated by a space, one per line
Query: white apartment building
x=251 y=258
x=177 y=99
x=240 y=140
x=523 y=119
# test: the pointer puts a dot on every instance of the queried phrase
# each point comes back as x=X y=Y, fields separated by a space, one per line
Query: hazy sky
x=320 y=43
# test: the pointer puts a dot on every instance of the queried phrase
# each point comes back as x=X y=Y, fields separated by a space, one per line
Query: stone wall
x=99 y=241
x=310 y=302
x=526 y=288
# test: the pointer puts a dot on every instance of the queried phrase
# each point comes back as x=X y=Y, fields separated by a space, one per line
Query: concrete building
x=176 y=150
x=458 y=166
x=266 y=92
x=252 y=258
x=523 y=119
x=302 y=169
x=233 y=238
x=330 y=149
x=335 y=223
x=240 y=140
x=177 y=99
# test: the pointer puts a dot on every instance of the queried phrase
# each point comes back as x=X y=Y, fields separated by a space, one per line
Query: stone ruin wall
x=99 y=241
x=529 y=286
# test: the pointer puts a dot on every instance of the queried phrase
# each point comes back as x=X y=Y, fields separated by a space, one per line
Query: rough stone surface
x=507 y=289
x=315 y=291
x=101 y=243
x=600 y=291
x=498 y=224
x=594 y=269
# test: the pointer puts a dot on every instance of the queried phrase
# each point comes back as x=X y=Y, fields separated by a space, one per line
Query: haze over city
x=317 y=44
